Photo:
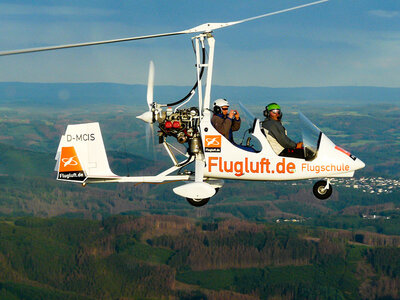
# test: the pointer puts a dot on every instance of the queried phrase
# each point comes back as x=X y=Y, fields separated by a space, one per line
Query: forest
x=181 y=258
x=253 y=240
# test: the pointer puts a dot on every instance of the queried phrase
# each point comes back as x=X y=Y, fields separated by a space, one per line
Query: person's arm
x=235 y=117
x=278 y=132
x=222 y=125
x=236 y=124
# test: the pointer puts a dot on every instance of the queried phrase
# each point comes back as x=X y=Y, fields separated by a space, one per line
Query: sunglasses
x=225 y=108
x=276 y=111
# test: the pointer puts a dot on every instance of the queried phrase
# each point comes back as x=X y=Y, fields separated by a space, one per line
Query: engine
x=181 y=124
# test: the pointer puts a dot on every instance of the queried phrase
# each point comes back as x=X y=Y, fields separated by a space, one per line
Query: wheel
x=198 y=202
x=320 y=192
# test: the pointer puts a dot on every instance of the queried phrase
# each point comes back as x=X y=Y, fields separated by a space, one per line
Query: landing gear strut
x=322 y=189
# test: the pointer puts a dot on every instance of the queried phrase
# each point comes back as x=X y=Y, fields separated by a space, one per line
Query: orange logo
x=69 y=161
x=213 y=143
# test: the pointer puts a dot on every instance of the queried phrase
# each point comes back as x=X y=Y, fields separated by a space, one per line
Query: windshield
x=311 y=137
x=310 y=133
x=248 y=132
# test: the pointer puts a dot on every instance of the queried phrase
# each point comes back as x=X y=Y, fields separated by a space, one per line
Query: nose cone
x=358 y=164
x=146 y=117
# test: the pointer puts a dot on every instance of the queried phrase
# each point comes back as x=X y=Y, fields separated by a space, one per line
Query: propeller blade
x=207 y=27
x=153 y=143
x=148 y=115
x=148 y=133
x=150 y=140
x=150 y=84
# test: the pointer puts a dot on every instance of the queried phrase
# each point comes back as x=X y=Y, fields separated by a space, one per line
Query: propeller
x=150 y=84
x=204 y=28
x=149 y=116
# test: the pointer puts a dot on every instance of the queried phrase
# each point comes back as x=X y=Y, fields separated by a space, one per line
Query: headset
x=217 y=105
x=217 y=110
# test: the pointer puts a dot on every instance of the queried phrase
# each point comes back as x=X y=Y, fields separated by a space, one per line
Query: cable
x=196 y=84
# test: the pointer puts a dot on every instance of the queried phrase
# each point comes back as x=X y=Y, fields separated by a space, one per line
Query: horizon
x=106 y=93
x=189 y=85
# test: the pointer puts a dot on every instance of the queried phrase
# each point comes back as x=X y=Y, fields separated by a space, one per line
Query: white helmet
x=221 y=102
x=218 y=104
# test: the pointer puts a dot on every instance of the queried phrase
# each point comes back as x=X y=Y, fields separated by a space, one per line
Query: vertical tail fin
x=81 y=154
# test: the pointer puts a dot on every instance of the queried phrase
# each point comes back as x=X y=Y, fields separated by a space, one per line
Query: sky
x=338 y=43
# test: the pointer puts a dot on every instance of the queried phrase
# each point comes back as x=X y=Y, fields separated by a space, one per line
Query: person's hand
x=231 y=114
x=299 y=145
x=237 y=116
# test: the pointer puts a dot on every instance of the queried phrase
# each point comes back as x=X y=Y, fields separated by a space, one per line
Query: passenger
x=225 y=122
x=277 y=134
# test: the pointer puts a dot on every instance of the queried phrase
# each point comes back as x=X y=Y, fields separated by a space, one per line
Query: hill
x=22 y=162
x=62 y=95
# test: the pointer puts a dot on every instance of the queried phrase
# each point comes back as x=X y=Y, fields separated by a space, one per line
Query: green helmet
x=272 y=106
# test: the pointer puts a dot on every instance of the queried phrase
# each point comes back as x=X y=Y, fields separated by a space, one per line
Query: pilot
x=277 y=134
x=225 y=122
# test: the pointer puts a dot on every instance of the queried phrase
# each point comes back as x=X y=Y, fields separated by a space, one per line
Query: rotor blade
x=150 y=84
x=279 y=11
x=12 y=52
x=207 y=27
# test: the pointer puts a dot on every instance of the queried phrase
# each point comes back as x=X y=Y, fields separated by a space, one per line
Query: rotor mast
x=204 y=101
x=207 y=96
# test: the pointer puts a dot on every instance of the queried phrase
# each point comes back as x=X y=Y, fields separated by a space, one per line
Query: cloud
x=388 y=14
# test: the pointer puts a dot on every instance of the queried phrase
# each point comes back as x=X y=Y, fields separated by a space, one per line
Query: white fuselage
x=225 y=160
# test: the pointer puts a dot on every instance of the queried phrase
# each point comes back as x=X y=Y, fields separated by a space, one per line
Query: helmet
x=270 y=107
x=218 y=104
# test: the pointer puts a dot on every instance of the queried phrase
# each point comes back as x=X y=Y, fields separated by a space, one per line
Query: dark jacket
x=225 y=125
x=277 y=131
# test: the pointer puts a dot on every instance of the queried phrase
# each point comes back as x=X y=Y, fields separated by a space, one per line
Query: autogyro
x=81 y=155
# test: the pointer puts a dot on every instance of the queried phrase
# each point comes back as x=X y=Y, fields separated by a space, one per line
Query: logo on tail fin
x=69 y=166
x=69 y=161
